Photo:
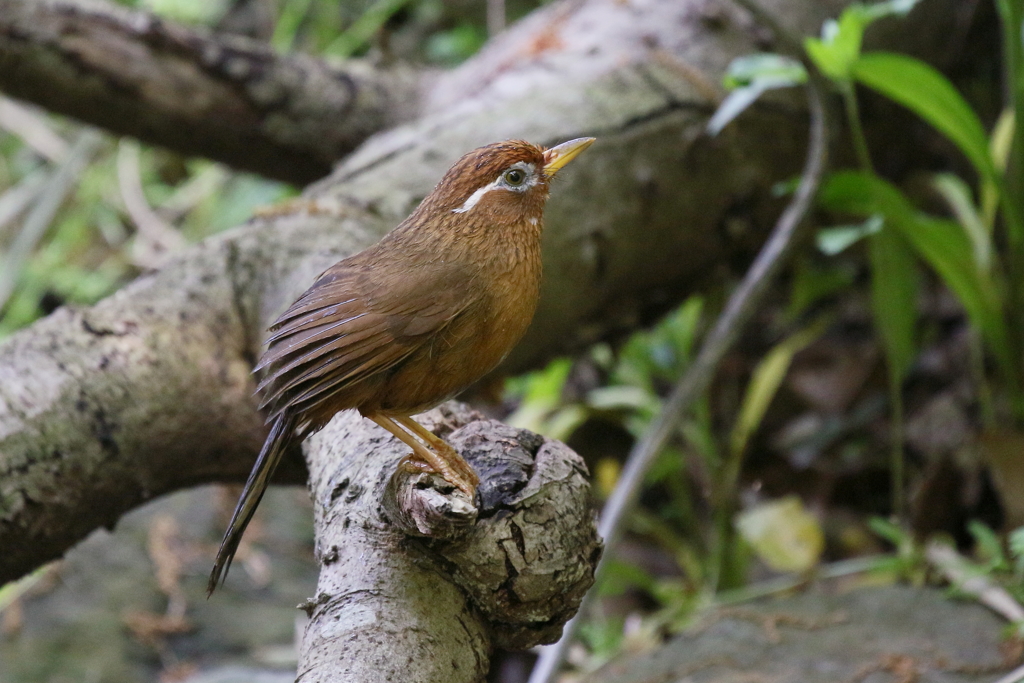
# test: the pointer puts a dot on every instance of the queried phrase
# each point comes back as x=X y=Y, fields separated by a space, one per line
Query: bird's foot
x=459 y=465
x=456 y=477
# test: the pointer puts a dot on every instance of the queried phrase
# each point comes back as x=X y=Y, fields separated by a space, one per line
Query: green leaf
x=1015 y=541
x=292 y=15
x=765 y=383
x=187 y=11
x=894 y=299
x=541 y=393
x=455 y=45
x=839 y=46
x=621 y=576
x=783 y=533
x=958 y=195
x=928 y=93
x=622 y=397
x=941 y=243
x=764 y=67
x=364 y=28
x=889 y=531
x=751 y=76
x=734 y=104
x=810 y=284
x=834 y=240
x=988 y=546
x=1000 y=145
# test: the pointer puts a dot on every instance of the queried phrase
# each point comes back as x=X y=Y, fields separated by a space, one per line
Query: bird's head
x=503 y=183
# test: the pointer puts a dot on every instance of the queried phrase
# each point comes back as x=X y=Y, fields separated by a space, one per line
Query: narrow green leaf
x=363 y=29
x=958 y=195
x=894 y=299
x=810 y=284
x=749 y=77
x=835 y=240
x=941 y=243
x=999 y=146
x=889 y=531
x=764 y=66
x=928 y=93
x=734 y=104
x=765 y=383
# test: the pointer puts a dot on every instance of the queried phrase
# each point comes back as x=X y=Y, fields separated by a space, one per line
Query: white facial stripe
x=475 y=198
x=531 y=180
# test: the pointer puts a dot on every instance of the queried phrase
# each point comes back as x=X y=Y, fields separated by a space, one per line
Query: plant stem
x=856 y=565
x=896 y=464
x=897 y=477
x=986 y=406
x=860 y=142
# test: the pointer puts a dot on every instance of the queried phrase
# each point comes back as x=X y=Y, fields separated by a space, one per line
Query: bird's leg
x=442 y=448
x=436 y=461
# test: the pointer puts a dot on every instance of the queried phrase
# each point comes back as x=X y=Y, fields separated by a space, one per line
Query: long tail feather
x=252 y=494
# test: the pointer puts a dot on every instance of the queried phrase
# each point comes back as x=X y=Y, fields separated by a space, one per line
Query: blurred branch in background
x=20 y=196
x=156 y=240
x=495 y=17
x=34 y=130
x=224 y=97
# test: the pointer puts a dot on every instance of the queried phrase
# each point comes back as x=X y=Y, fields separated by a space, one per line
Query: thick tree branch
x=444 y=590
x=228 y=98
x=149 y=391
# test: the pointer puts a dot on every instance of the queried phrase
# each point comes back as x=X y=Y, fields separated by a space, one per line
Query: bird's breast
x=498 y=312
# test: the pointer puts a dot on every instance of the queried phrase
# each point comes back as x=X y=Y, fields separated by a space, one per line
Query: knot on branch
x=526 y=556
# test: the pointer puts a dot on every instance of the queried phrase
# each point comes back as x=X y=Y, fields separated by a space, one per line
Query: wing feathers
x=286 y=380
x=348 y=329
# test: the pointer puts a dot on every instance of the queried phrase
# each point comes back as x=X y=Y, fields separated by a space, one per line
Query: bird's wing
x=354 y=323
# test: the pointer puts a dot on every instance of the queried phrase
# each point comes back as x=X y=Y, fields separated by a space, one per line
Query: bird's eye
x=515 y=177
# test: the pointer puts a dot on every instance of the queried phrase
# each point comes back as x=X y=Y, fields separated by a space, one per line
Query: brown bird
x=413 y=320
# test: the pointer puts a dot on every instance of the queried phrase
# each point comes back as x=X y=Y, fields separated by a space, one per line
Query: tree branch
x=229 y=98
x=446 y=589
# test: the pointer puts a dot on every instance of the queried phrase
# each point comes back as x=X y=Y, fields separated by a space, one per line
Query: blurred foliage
x=976 y=250
x=963 y=250
x=93 y=244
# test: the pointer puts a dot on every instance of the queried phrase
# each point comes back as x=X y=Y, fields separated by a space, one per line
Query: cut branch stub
x=530 y=557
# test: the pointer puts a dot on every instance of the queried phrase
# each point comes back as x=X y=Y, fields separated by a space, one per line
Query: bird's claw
x=462 y=478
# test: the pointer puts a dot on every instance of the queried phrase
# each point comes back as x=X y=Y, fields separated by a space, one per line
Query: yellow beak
x=557 y=157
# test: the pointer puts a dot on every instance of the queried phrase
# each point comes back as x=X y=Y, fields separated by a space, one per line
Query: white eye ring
x=517 y=177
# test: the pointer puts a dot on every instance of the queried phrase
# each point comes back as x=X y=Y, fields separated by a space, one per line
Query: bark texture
x=229 y=98
x=103 y=408
x=428 y=601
